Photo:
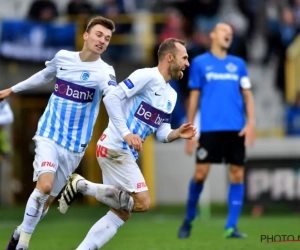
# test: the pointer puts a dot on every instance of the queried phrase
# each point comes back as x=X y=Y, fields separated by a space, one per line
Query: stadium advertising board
x=272 y=181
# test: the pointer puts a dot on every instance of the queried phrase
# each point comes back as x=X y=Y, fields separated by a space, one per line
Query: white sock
x=102 y=231
x=33 y=212
x=89 y=188
x=17 y=232
x=107 y=194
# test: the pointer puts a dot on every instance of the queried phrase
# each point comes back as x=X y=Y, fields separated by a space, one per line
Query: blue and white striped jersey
x=149 y=102
x=73 y=107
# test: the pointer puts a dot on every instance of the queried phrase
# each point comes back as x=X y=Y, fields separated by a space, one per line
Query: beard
x=175 y=71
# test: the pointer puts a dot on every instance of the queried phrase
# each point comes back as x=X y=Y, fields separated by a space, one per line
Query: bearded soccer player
x=65 y=128
x=220 y=85
x=139 y=106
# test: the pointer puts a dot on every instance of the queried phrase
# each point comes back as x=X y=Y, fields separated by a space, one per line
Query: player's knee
x=141 y=204
x=200 y=175
x=122 y=214
x=236 y=174
x=45 y=187
x=45 y=183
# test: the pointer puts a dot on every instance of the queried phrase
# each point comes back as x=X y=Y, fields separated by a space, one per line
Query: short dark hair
x=168 y=46
x=107 y=23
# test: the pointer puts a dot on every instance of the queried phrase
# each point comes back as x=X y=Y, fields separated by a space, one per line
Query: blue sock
x=193 y=198
x=235 y=203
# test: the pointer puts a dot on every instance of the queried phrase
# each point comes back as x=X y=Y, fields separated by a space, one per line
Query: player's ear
x=85 y=36
x=169 y=57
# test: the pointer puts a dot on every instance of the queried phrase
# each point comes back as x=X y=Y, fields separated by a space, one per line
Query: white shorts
x=119 y=169
x=53 y=158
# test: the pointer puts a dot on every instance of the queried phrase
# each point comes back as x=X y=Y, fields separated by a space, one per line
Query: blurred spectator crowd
x=276 y=21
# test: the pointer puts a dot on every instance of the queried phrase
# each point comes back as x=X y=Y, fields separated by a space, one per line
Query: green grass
x=154 y=230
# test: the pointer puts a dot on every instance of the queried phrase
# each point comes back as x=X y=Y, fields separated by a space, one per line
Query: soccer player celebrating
x=220 y=83
x=139 y=106
x=66 y=126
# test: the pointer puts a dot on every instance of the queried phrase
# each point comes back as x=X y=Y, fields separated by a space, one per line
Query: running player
x=140 y=105
x=66 y=126
x=220 y=83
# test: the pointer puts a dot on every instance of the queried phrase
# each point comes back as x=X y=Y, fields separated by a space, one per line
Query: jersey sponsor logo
x=73 y=92
x=47 y=164
x=221 y=76
x=84 y=76
x=112 y=83
x=101 y=151
x=150 y=115
x=128 y=83
x=141 y=185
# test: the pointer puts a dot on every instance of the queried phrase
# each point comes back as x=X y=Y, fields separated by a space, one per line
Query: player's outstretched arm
x=5 y=93
x=40 y=78
x=185 y=131
x=165 y=134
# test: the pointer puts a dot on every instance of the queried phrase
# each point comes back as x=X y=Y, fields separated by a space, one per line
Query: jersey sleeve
x=135 y=83
x=195 y=76
x=110 y=82
x=244 y=78
x=40 y=78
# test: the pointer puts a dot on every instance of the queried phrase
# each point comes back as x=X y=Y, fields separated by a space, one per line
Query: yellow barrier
x=292 y=76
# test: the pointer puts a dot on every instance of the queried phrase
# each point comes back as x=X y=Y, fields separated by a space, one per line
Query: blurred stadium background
x=266 y=36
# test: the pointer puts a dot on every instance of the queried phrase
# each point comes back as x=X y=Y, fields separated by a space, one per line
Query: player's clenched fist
x=135 y=141
x=5 y=93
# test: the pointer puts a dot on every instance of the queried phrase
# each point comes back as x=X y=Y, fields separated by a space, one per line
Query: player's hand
x=5 y=93
x=187 y=131
x=134 y=141
x=249 y=132
x=190 y=145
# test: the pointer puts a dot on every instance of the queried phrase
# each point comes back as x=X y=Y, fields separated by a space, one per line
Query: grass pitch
x=154 y=230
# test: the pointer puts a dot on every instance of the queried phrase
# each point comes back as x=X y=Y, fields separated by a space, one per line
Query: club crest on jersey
x=84 y=76
x=231 y=67
x=169 y=106
x=150 y=115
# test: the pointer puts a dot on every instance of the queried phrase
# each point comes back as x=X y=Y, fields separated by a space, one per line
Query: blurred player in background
x=66 y=126
x=220 y=85
x=139 y=106
x=6 y=118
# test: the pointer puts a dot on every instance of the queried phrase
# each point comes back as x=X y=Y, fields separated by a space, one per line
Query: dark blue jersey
x=220 y=82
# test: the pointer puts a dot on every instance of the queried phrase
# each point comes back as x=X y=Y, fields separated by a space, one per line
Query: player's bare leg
x=34 y=208
x=106 y=228
x=107 y=194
